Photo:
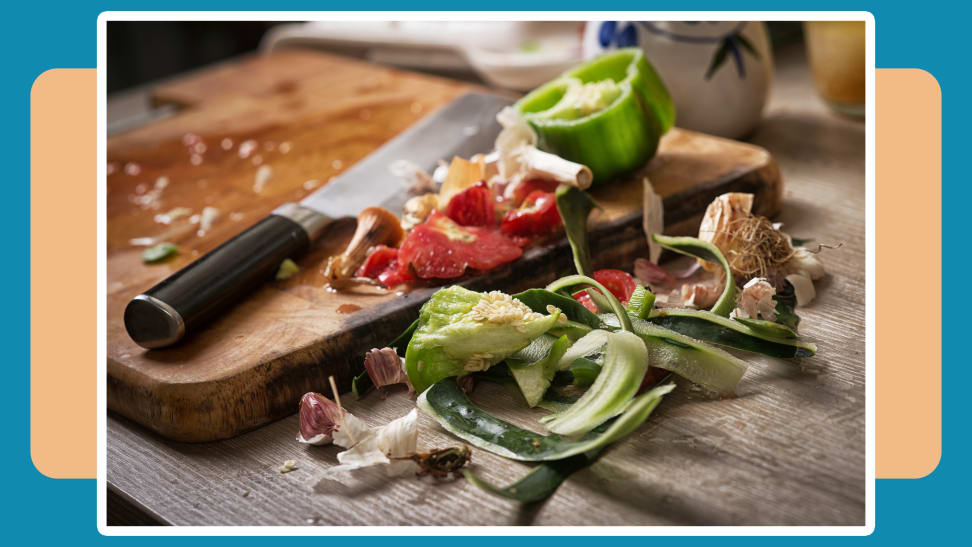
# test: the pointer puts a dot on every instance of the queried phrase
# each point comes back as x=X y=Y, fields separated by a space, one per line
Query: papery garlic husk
x=654 y=218
x=649 y=273
x=319 y=418
x=376 y=226
x=397 y=439
x=755 y=300
x=805 y=262
x=703 y=294
x=802 y=288
x=718 y=219
x=352 y=431
x=385 y=368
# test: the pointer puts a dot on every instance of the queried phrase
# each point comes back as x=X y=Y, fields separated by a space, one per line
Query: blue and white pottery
x=718 y=72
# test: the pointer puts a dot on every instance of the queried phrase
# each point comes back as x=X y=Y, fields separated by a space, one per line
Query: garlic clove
x=319 y=418
x=385 y=368
x=376 y=226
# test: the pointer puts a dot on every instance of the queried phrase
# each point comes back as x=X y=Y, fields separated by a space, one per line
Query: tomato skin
x=527 y=187
x=442 y=249
x=474 y=206
x=586 y=300
x=621 y=284
x=382 y=264
x=538 y=216
x=378 y=261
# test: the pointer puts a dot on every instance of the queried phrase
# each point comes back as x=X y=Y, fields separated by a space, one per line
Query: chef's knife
x=186 y=300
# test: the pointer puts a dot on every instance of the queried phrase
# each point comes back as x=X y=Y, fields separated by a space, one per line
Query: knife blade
x=188 y=299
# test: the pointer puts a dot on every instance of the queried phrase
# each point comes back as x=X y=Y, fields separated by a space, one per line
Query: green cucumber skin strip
x=543 y=480
x=722 y=331
x=768 y=328
x=693 y=246
x=538 y=300
x=572 y=280
x=693 y=359
x=624 y=368
x=575 y=207
x=449 y=406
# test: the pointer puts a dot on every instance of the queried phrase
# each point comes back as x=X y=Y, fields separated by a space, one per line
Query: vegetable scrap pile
x=598 y=350
x=585 y=128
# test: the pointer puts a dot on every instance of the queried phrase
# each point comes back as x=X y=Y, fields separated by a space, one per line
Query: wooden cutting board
x=294 y=119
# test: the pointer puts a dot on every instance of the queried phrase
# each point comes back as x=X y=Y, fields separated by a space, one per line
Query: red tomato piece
x=538 y=216
x=382 y=264
x=586 y=300
x=474 y=206
x=440 y=248
x=527 y=187
x=621 y=284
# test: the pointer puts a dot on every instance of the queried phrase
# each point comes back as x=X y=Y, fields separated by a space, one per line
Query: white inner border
x=104 y=529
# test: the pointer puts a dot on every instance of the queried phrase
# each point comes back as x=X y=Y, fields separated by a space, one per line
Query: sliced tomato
x=621 y=284
x=442 y=249
x=538 y=216
x=382 y=264
x=586 y=300
x=527 y=187
x=474 y=206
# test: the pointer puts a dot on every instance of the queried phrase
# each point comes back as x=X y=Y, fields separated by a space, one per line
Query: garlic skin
x=802 y=288
x=648 y=273
x=805 y=262
x=319 y=418
x=756 y=300
x=386 y=368
x=702 y=295
x=654 y=218
x=716 y=227
x=396 y=439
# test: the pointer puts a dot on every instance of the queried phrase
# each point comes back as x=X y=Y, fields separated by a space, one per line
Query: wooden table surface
x=788 y=450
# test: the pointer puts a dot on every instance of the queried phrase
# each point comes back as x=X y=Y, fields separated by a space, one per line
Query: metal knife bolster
x=313 y=222
x=180 y=304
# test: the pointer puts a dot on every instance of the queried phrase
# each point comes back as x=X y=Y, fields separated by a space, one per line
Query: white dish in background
x=512 y=55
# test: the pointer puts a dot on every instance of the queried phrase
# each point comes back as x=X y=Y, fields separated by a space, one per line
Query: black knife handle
x=189 y=298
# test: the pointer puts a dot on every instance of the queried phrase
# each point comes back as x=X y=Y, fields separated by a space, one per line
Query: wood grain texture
x=789 y=450
x=309 y=116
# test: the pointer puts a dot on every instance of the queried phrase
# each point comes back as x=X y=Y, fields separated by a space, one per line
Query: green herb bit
x=159 y=253
x=288 y=268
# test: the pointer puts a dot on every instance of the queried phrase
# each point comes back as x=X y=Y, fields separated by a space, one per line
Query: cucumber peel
x=574 y=207
x=693 y=246
x=447 y=404
x=544 y=479
x=624 y=368
x=722 y=331
x=694 y=360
